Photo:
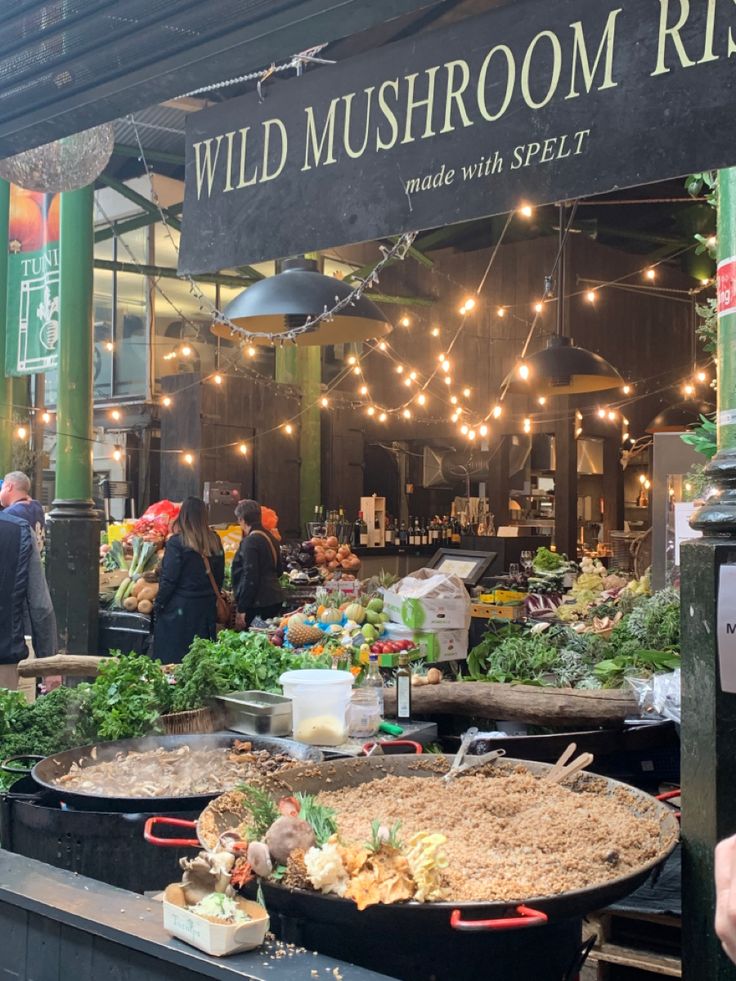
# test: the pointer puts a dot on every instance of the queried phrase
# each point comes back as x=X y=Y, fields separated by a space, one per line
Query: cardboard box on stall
x=429 y=601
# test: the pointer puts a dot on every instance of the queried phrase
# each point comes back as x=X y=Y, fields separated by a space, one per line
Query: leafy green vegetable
x=234 y=662
x=512 y=655
x=261 y=808
x=129 y=694
x=547 y=561
x=381 y=835
x=640 y=662
x=321 y=819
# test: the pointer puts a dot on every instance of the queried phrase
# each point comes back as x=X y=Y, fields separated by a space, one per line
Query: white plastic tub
x=217 y=939
x=320 y=700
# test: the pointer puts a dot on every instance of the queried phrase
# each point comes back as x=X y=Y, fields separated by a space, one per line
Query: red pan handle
x=388 y=743
x=526 y=917
x=152 y=822
x=668 y=796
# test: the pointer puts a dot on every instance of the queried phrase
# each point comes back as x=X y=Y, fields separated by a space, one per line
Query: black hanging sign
x=537 y=101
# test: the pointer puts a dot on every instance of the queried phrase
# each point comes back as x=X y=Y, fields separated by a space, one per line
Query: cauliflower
x=325 y=869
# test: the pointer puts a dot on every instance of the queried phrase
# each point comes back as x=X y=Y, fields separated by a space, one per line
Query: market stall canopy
x=65 y=67
x=296 y=295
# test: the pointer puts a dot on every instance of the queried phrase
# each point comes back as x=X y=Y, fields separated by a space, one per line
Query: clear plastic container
x=320 y=700
x=365 y=713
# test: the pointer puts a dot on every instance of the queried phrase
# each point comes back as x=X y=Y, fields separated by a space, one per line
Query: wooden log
x=70 y=665
x=521 y=703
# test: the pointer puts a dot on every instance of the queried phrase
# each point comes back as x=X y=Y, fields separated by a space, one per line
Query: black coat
x=25 y=604
x=185 y=605
x=255 y=577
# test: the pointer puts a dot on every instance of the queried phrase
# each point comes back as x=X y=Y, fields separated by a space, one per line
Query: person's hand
x=52 y=681
x=726 y=895
x=240 y=621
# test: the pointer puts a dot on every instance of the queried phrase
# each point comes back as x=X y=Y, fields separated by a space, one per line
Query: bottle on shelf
x=410 y=531
x=403 y=689
x=417 y=532
x=374 y=680
x=403 y=535
x=356 y=531
x=389 y=531
x=456 y=531
x=363 y=529
x=425 y=533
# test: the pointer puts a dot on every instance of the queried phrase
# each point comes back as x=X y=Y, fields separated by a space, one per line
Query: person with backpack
x=192 y=573
x=256 y=568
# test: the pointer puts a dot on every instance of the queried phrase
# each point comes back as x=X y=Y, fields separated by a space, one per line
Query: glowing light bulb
x=601 y=413
x=527 y=425
x=422 y=398
x=483 y=430
x=243 y=448
x=455 y=416
x=705 y=282
x=471 y=434
x=497 y=411
x=651 y=274
x=115 y=414
x=435 y=332
x=538 y=307
x=624 y=420
x=382 y=346
x=45 y=417
x=453 y=400
x=288 y=429
x=542 y=400
x=642 y=478
x=407 y=413
x=363 y=389
x=440 y=358
x=166 y=401
x=626 y=389
x=702 y=377
x=501 y=312
x=251 y=352
x=109 y=346
x=405 y=322
x=611 y=416
x=524 y=371
x=470 y=304
x=413 y=376
x=624 y=437
x=357 y=370
x=399 y=369
x=688 y=389
x=464 y=430
x=116 y=454
x=186 y=351
x=526 y=211
x=448 y=380
x=591 y=296
x=217 y=379
x=370 y=410
x=407 y=382
x=352 y=360
x=383 y=417
x=21 y=432
x=647 y=484
x=688 y=487
x=188 y=459
x=466 y=393
x=446 y=366
x=324 y=402
x=711 y=243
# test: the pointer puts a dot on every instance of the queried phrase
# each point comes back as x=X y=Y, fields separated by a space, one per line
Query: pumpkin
x=343 y=552
x=332 y=565
x=145 y=606
x=355 y=612
x=330 y=554
x=353 y=563
x=331 y=615
x=346 y=563
x=331 y=542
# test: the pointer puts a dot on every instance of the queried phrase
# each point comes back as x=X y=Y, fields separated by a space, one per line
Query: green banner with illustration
x=33 y=283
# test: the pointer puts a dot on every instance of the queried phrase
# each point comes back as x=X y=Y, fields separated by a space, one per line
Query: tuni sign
x=537 y=101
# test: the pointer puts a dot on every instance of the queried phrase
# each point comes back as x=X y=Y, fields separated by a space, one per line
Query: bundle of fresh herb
x=129 y=694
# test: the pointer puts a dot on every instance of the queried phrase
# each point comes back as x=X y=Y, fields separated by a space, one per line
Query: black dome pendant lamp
x=297 y=293
x=561 y=368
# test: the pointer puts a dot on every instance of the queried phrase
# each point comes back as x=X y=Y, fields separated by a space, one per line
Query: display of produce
x=180 y=772
x=137 y=587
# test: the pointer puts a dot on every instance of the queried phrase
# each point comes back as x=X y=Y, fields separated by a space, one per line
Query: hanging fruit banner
x=32 y=341
x=532 y=102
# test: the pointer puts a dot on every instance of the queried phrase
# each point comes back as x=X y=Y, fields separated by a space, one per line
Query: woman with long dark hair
x=256 y=568
x=186 y=604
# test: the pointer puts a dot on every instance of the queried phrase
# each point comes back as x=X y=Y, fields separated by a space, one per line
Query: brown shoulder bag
x=223 y=604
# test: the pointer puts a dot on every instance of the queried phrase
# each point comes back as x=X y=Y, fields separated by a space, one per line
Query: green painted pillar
x=309 y=360
x=287 y=372
x=709 y=712
x=74 y=529
x=6 y=386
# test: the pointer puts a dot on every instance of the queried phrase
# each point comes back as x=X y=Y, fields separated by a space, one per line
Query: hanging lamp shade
x=679 y=417
x=563 y=369
x=282 y=302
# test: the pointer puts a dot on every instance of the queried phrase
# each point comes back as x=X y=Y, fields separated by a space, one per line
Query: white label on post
x=684 y=510
x=727 y=627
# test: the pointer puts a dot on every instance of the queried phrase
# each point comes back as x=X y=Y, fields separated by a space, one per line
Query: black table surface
x=136 y=922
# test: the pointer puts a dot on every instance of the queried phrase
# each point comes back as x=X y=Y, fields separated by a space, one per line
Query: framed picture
x=467 y=565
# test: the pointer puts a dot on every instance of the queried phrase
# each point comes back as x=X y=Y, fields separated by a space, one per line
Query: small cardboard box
x=426 y=600
x=434 y=645
x=217 y=939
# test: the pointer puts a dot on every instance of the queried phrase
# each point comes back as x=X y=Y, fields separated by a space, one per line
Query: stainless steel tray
x=257 y=713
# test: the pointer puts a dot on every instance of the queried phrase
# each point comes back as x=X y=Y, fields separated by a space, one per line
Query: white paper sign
x=727 y=627
x=683 y=512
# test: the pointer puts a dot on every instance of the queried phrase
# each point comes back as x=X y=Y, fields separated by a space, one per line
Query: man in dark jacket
x=25 y=604
x=256 y=568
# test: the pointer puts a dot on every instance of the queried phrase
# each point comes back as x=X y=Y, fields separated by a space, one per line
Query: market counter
x=57 y=924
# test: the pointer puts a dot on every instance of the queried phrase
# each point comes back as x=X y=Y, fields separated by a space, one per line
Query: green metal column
x=709 y=713
x=309 y=360
x=6 y=387
x=72 y=562
x=287 y=372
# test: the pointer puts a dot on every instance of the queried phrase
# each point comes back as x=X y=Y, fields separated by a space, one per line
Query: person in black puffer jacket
x=256 y=568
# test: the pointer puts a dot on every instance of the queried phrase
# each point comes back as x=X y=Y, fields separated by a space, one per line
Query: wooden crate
x=632 y=946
